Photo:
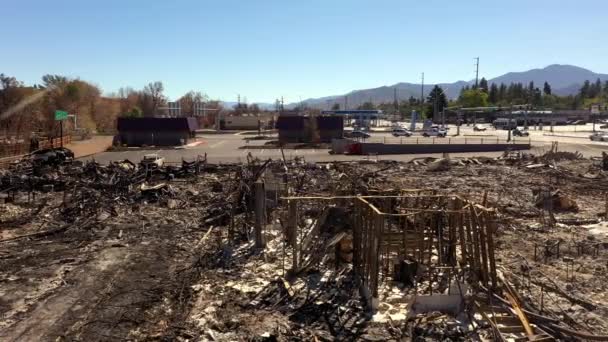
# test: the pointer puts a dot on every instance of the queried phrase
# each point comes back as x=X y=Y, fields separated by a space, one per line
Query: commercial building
x=305 y=129
x=246 y=122
x=155 y=131
x=359 y=118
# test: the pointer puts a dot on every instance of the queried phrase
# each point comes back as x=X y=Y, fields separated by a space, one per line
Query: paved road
x=225 y=148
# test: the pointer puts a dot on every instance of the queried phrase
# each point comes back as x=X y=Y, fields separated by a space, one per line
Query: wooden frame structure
x=434 y=230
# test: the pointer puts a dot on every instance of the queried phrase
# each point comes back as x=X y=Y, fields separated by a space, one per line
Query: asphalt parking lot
x=228 y=148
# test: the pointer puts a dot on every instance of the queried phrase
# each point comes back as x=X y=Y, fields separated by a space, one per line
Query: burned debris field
x=511 y=248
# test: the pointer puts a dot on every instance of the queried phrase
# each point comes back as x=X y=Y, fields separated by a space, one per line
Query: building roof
x=157 y=124
x=330 y=122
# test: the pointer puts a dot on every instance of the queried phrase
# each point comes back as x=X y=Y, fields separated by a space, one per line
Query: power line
x=395 y=98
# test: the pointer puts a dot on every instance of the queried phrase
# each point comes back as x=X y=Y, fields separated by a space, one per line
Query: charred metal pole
x=260 y=213
x=292 y=230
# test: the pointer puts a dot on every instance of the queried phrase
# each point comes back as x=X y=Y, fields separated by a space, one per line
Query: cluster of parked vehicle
x=434 y=131
x=437 y=131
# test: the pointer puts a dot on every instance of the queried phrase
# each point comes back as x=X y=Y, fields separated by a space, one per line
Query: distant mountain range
x=564 y=80
x=262 y=105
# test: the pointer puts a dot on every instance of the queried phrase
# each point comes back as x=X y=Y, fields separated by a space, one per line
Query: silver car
x=598 y=137
x=401 y=132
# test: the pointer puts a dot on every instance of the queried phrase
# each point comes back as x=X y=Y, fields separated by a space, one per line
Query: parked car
x=479 y=128
x=357 y=134
x=520 y=133
x=504 y=123
x=598 y=136
x=152 y=160
x=435 y=132
x=401 y=132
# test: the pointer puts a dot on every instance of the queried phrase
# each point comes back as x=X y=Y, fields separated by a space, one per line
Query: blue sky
x=296 y=49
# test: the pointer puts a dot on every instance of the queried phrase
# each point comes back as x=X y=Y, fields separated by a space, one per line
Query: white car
x=435 y=132
x=598 y=136
x=152 y=160
x=401 y=132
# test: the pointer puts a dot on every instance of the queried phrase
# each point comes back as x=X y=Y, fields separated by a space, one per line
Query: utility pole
x=435 y=103
x=396 y=103
x=422 y=96
x=476 y=72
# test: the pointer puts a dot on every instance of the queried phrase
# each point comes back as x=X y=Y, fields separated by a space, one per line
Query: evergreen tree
x=493 y=94
x=521 y=93
x=502 y=92
x=436 y=98
x=368 y=105
x=510 y=92
x=577 y=101
x=596 y=89
x=483 y=84
x=537 y=98
x=530 y=90
x=585 y=89
x=547 y=88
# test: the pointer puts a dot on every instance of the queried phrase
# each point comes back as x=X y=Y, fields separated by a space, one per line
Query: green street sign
x=61 y=115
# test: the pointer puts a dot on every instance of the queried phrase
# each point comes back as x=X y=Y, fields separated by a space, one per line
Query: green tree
x=436 y=101
x=483 y=84
x=473 y=98
x=597 y=88
x=502 y=92
x=537 y=98
x=335 y=106
x=577 y=102
x=549 y=101
x=585 y=89
x=367 y=105
x=54 y=80
x=547 y=88
x=493 y=94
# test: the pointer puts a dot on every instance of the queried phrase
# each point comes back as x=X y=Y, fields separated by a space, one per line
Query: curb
x=564 y=136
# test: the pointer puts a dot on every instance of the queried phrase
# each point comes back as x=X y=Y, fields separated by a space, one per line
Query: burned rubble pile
x=510 y=248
